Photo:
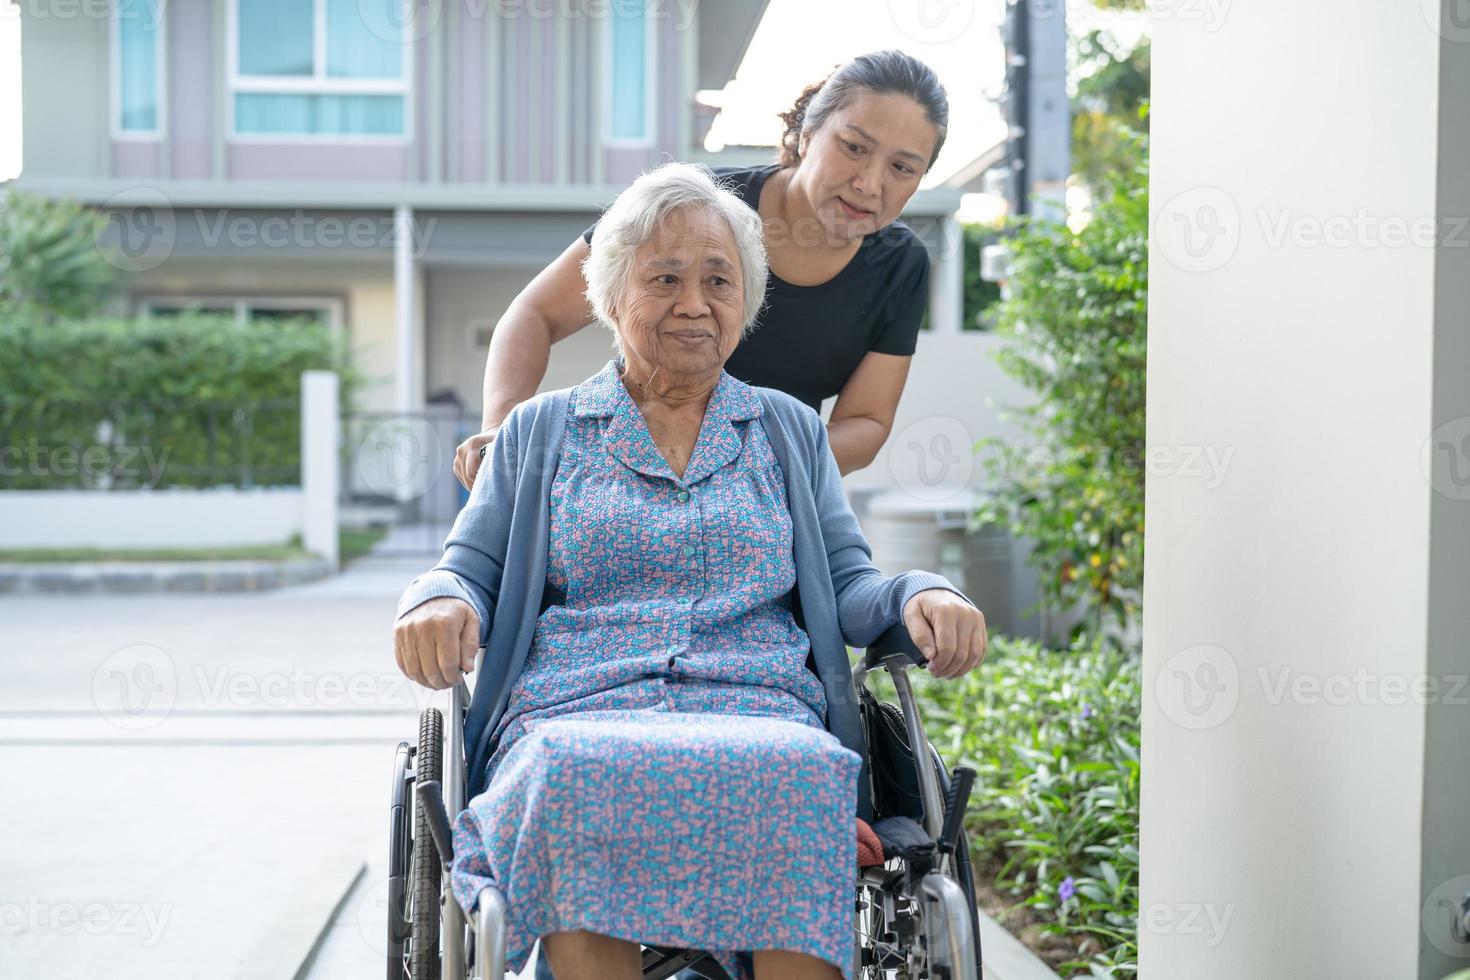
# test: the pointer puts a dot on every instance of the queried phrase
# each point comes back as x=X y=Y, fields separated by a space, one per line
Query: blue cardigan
x=842 y=599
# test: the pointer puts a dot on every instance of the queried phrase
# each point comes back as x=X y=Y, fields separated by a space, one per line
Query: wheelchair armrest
x=892 y=641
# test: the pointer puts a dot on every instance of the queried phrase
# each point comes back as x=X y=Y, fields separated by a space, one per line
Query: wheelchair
x=914 y=915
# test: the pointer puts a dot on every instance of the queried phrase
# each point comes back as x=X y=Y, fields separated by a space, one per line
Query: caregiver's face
x=861 y=166
x=683 y=307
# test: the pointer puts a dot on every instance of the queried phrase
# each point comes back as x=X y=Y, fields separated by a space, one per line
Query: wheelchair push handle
x=954 y=808
x=894 y=640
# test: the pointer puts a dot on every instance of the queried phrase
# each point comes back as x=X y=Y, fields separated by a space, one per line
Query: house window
x=630 y=73
x=138 y=46
x=245 y=310
x=320 y=68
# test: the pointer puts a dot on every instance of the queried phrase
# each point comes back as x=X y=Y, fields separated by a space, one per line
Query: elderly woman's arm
x=445 y=613
x=946 y=625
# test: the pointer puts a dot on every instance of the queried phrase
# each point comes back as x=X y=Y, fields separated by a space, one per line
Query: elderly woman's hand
x=435 y=642
x=949 y=631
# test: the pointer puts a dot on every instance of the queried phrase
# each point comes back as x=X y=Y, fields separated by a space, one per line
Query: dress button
x=683 y=496
x=689 y=550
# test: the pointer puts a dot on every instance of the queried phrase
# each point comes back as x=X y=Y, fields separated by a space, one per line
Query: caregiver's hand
x=435 y=642
x=949 y=631
x=467 y=459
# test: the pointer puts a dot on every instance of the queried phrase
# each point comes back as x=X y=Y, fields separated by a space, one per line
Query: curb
x=1006 y=957
x=42 y=578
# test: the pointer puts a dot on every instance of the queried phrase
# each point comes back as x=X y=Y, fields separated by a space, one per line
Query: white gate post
x=320 y=440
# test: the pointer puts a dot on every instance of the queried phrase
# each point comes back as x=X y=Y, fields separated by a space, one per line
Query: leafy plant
x=1075 y=319
x=1053 y=736
x=185 y=401
x=49 y=261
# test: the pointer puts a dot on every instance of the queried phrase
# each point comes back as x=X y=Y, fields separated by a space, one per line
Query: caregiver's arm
x=945 y=624
x=444 y=615
x=863 y=415
x=552 y=307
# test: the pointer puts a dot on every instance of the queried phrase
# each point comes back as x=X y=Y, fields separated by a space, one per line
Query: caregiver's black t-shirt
x=809 y=339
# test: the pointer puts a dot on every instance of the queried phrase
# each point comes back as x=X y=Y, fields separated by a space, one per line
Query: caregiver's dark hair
x=881 y=72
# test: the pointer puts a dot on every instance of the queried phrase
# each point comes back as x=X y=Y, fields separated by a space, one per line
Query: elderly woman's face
x=684 y=307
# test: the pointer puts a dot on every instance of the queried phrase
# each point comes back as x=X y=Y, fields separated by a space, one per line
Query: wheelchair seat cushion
x=869 y=847
x=901 y=837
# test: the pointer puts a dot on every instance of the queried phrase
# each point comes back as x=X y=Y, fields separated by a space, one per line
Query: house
x=398 y=170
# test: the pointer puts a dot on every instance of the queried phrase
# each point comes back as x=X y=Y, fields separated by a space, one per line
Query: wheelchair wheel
x=425 y=877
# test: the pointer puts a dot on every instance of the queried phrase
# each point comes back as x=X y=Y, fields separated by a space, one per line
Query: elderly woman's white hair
x=631 y=219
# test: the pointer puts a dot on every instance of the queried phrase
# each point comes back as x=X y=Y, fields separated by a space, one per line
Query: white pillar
x=320 y=459
x=947 y=278
x=405 y=307
x=1306 y=725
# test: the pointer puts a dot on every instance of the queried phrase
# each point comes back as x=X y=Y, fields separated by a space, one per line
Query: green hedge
x=1053 y=819
x=188 y=401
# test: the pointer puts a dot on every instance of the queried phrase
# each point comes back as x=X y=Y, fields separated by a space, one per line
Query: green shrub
x=50 y=264
x=1076 y=321
x=189 y=401
x=1053 y=820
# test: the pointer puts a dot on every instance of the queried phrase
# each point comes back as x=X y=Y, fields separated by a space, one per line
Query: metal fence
x=132 y=444
x=398 y=472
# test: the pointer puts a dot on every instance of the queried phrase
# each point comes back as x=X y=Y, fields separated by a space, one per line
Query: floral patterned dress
x=663 y=773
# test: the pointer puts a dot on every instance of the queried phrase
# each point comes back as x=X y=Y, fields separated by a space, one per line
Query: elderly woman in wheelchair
x=664 y=744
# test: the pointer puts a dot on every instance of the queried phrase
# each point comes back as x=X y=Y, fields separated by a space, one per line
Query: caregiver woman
x=848 y=282
x=651 y=759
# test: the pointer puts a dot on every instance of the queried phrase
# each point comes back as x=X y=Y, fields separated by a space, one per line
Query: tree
x=49 y=259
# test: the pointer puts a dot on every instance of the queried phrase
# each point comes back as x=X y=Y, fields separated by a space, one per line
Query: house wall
x=66 y=111
x=494 y=101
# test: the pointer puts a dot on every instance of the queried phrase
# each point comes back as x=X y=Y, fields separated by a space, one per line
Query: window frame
x=240 y=304
x=160 y=75
x=650 y=83
x=318 y=83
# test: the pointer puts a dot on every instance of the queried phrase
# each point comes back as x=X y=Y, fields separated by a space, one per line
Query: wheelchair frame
x=930 y=900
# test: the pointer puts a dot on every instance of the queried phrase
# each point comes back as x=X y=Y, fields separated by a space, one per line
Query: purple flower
x=1068 y=889
x=1086 y=710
